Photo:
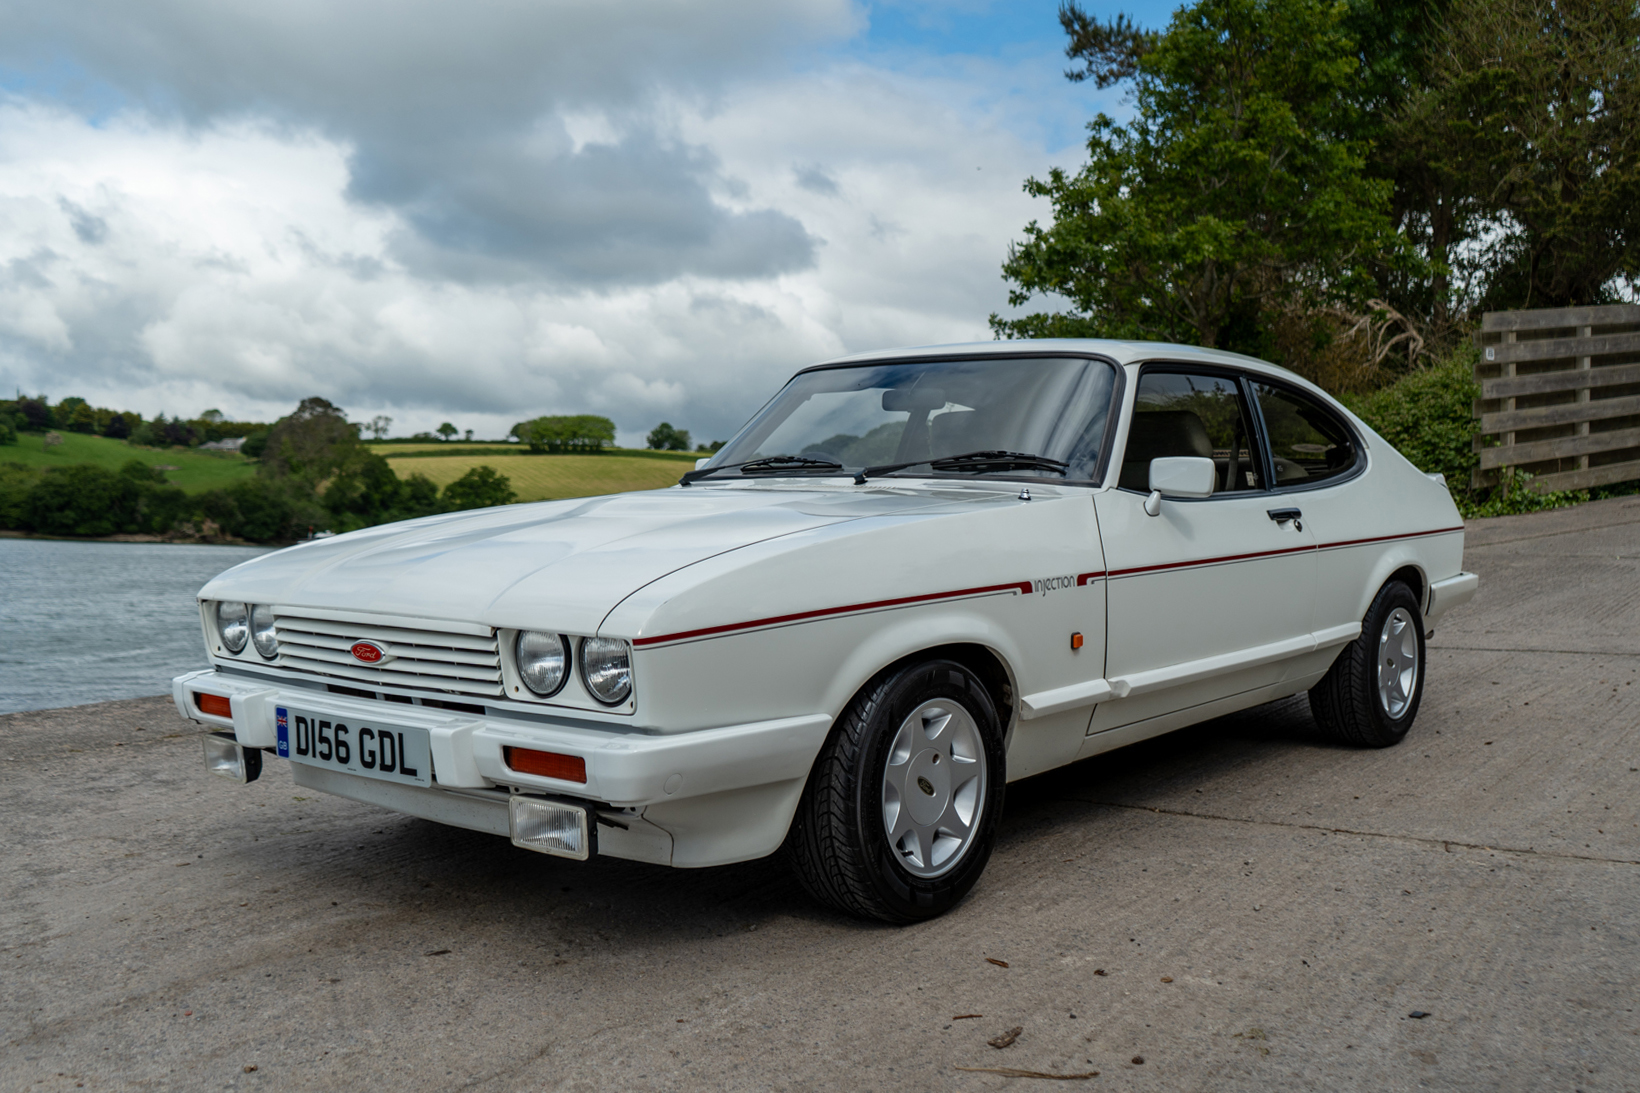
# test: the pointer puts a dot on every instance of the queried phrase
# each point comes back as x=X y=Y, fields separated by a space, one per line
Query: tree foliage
x=1237 y=190
x=665 y=438
x=1341 y=184
x=568 y=433
x=480 y=488
x=1534 y=110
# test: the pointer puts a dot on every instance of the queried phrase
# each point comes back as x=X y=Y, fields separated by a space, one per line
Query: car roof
x=1122 y=352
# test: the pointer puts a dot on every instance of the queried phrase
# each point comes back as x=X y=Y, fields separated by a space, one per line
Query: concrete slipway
x=1266 y=910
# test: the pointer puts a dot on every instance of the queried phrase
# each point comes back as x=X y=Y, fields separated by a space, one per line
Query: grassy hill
x=547 y=477
x=194 y=471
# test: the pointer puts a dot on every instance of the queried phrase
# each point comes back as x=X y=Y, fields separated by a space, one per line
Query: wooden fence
x=1560 y=396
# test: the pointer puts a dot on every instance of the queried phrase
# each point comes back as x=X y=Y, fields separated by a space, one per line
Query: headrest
x=1156 y=434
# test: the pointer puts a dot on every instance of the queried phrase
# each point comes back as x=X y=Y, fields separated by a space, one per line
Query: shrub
x=8 y=431
x=263 y=509
x=1428 y=416
x=83 y=500
x=16 y=480
x=479 y=488
x=420 y=497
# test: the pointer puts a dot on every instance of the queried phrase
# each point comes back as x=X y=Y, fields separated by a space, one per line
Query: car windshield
x=877 y=414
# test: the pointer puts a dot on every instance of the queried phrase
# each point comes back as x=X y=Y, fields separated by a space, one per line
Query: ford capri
x=912 y=578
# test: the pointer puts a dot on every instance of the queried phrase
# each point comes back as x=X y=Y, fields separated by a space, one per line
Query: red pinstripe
x=1020 y=587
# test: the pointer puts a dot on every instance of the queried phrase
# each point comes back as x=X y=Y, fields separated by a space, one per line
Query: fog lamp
x=225 y=756
x=551 y=827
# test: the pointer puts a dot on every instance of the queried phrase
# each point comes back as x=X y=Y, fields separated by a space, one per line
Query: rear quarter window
x=1309 y=444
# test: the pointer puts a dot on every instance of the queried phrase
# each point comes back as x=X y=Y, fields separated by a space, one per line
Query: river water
x=89 y=622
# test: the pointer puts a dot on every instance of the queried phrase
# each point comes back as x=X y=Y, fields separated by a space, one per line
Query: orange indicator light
x=215 y=705
x=1076 y=640
x=548 y=764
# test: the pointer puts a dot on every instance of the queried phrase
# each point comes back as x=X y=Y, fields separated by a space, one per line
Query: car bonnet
x=562 y=564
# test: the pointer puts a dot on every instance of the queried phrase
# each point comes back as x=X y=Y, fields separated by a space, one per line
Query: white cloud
x=177 y=259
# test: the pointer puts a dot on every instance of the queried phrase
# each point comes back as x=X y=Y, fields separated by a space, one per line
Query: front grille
x=420 y=658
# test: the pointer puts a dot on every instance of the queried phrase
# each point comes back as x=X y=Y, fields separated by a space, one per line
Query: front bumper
x=700 y=776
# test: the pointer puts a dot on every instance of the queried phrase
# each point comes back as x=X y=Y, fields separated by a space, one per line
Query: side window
x=1187 y=413
x=1307 y=443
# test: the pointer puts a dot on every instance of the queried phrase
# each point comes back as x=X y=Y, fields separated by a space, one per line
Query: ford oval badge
x=368 y=652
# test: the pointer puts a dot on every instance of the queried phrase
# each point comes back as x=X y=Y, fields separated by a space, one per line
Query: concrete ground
x=1239 y=906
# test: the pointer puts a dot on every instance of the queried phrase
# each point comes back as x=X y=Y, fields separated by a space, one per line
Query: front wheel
x=1370 y=696
x=900 y=812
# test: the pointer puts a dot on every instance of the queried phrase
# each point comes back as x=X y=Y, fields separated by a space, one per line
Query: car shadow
x=458 y=871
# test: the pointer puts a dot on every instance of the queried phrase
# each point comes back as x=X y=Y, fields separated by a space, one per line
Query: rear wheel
x=1370 y=696
x=899 y=815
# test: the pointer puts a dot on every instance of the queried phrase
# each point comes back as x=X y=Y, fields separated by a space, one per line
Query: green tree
x=1236 y=193
x=312 y=443
x=76 y=415
x=83 y=499
x=1535 y=109
x=479 y=488
x=447 y=431
x=572 y=433
x=264 y=509
x=36 y=413
x=364 y=486
x=420 y=497
x=667 y=439
x=16 y=481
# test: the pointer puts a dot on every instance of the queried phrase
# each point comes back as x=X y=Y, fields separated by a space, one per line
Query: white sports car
x=913 y=577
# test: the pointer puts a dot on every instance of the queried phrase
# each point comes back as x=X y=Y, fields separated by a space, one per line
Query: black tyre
x=900 y=812
x=1369 y=698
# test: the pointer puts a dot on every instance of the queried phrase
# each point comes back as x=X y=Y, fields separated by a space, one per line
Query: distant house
x=231 y=444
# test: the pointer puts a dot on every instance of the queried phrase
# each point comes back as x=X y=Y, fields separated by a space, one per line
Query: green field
x=194 y=471
x=547 y=477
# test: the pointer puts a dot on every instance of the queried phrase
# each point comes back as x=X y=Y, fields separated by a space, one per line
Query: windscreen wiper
x=988 y=460
x=772 y=464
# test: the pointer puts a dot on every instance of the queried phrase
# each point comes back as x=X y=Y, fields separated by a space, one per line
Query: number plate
x=323 y=740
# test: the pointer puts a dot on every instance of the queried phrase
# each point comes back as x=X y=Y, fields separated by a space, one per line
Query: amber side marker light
x=215 y=705
x=1076 y=641
x=547 y=764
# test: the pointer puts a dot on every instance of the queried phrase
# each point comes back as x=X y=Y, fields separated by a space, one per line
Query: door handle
x=1282 y=516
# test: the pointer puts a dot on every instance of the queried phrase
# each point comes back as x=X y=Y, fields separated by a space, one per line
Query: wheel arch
x=1413 y=577
x=986 y=664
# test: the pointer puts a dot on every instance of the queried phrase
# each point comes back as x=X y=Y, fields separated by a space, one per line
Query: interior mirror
x=912 y=399
x=1180 y=476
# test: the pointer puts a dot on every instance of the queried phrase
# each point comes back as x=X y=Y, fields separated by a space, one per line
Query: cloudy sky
x=486 y=210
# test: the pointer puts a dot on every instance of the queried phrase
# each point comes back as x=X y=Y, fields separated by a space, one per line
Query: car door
x=1210 y=597
x=1315 y=457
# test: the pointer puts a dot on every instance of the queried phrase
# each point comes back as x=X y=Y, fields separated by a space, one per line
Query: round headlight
x=262 y=634
x=232 y=625
x=543 y=661
x=606 y=668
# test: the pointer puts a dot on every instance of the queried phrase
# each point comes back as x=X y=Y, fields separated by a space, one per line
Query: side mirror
x=1180 y=476
x=702 y=461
